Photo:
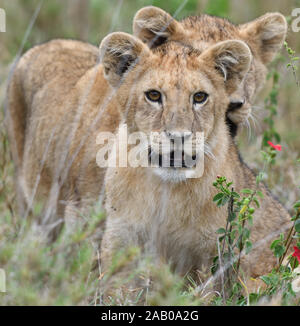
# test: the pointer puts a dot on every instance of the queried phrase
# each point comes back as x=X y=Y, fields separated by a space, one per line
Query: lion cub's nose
x=179 y=135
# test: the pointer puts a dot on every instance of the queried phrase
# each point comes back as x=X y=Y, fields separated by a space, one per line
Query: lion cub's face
x=173 y=93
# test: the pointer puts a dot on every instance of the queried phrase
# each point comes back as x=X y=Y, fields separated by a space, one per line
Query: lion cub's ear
x=231 y=59
x=266 y=34
x=120 y=52
x=154 y=26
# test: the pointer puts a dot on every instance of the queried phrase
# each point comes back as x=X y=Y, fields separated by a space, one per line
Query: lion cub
x=178 y=91
x=264 y=36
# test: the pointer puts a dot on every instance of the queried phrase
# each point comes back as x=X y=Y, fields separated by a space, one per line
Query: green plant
x=291 y=64
x=234 y=239
x=271 y=104
x=281 y=277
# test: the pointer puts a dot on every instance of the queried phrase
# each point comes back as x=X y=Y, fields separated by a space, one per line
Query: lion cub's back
x=64 y=61
x=43 y=76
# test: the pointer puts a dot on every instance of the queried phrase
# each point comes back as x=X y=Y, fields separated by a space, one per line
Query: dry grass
x=60 y=274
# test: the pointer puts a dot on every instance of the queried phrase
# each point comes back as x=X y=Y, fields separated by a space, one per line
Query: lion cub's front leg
x=120 y=257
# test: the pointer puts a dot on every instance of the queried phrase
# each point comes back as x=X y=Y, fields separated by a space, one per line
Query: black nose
x=236 y=104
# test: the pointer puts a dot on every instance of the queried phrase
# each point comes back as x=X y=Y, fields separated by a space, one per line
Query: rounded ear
x=154 y=26
x=119 y=53
x=267 y=34
x=231 y=59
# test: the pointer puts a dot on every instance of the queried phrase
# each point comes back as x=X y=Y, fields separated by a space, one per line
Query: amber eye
x=200 y=97
x=153 y=96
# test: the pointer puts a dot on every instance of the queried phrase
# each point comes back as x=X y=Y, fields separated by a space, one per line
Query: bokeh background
x=30 y=22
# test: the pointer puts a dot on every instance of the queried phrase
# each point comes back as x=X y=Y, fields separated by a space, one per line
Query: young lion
x=264 y=36
x=178 y=92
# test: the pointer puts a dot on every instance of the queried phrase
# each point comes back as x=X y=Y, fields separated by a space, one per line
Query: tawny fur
x=54 y=96
x=264 y=36
x=177 y=221
x=59 y=99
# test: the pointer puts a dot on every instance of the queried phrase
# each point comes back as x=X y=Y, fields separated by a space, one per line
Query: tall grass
x=68 y=272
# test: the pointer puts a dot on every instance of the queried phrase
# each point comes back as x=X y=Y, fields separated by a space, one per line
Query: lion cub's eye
x=200 y=97
x=153 y=96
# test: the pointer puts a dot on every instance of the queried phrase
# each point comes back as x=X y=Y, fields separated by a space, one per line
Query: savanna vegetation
x=68 y=271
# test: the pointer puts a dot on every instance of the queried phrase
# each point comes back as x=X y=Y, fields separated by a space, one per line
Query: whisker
x=256 y=118
x=249 y=130
x=208 y=151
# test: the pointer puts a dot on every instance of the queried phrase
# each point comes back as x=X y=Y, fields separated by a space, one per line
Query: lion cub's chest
x=176 y=223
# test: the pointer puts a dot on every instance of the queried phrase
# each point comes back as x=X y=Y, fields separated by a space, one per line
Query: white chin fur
x=172 y=175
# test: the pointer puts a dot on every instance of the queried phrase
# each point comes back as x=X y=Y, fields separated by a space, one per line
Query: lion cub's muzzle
x=175 y=149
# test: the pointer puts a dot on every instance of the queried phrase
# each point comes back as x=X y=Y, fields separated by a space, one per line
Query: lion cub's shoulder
x=57 y=50
x=59 y=61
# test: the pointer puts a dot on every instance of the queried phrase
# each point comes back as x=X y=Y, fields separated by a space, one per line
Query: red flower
x=296 y=253
x=277 y=147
